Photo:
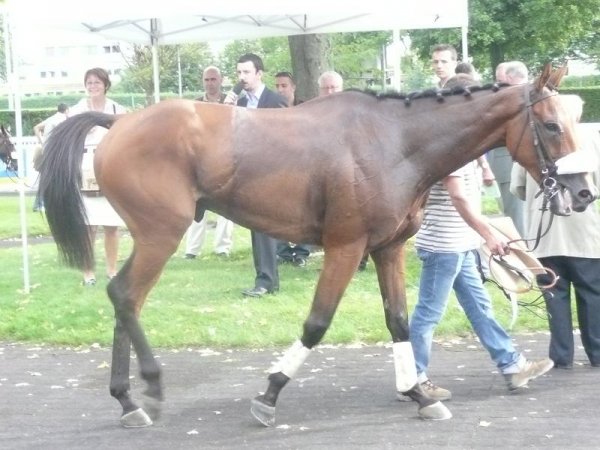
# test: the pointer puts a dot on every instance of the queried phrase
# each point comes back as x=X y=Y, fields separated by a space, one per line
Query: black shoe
x=563 y=366
x=255 y=292
x=190 y=256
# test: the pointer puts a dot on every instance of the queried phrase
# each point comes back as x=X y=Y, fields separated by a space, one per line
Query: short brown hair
x=446 y=47
x=102 y=76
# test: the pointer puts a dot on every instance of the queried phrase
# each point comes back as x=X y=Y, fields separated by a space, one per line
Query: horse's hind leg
x=127 y=291
x=338 y=268
x=389 y=263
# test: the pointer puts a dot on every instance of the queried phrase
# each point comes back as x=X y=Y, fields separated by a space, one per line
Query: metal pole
x=465 y=46
x=7 y=58
x=13 y=82
x=155 y=67
x=179 y=73
x=397 y=84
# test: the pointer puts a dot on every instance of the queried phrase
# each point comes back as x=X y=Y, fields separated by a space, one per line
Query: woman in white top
x=98 y=210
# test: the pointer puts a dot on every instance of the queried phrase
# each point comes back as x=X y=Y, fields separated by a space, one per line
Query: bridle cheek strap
x=548 y=169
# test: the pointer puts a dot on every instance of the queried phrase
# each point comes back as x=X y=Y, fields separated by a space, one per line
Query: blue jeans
x=441 y=272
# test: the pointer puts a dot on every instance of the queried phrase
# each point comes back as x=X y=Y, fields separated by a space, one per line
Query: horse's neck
x=460 y=130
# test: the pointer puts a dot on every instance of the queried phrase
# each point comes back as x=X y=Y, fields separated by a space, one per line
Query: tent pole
x=155 y=67
x=397 y=83
x=465 y=46
x=13 y=83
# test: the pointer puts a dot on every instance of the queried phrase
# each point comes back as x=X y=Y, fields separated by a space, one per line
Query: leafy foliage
x=356 y=56
x=274 y=52
x=532 y=31
x=2 y=53
x=192 y=58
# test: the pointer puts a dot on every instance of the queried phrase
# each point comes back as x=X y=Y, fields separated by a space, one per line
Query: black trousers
x=264 y=253
x=583 y=276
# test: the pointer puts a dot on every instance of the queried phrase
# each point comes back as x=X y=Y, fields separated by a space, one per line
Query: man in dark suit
x=250 y=70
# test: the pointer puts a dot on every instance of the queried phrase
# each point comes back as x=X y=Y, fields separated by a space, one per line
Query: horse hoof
x=136 y=419
x=437 y=411
x=265 y=414
x=152 y=406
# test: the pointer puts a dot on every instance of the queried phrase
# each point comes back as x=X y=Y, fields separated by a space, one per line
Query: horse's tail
x=60 y=185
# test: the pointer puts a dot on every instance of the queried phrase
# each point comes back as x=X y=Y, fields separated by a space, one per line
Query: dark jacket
x=268 y=99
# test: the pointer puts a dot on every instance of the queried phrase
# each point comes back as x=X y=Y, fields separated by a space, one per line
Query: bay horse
x=6 y=150
x=349 y=172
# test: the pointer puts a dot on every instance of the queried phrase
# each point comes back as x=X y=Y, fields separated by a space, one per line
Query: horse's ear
x=543 y=78
x=556 y=77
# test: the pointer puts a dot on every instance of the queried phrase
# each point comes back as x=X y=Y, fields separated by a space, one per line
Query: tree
x=311 y=56
x=138 y=75
x=535 y=32
x=273 y=51
x=353 y=55
x=3 y=74
x=356 y=55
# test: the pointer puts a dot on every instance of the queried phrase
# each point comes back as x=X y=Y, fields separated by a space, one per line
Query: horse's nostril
x=587 y=195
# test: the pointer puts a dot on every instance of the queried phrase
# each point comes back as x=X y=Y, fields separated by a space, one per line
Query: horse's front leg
x=339 y=266
x=390 y=266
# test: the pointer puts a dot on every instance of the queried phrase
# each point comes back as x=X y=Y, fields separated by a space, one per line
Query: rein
x=548 y=188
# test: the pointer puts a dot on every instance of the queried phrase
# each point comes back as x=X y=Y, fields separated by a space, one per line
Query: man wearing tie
x=250 y=70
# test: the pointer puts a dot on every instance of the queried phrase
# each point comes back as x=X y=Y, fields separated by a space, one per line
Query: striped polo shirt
x=443 y=229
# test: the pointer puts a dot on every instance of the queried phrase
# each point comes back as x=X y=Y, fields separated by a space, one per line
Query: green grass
x=196 y=302
x=10 y=224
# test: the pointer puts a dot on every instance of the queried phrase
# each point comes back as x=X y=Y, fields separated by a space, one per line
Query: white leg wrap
x=404 y=363
x=291 y=360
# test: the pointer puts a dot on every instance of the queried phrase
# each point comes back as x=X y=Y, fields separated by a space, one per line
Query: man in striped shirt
x=446 y=243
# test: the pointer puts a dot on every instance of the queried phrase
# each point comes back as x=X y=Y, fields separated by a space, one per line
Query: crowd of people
x=448 y=253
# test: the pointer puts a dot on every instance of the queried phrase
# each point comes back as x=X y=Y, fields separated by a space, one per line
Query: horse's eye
x=552 y=127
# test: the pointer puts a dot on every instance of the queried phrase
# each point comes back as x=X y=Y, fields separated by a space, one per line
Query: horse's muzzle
x=570 y=198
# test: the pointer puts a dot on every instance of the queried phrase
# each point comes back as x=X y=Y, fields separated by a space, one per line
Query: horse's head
x=548 y=147
x=6 y=150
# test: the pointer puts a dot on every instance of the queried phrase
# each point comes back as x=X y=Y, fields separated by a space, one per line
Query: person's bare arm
x=455 y=187
x=486 y=172
x=39 y=130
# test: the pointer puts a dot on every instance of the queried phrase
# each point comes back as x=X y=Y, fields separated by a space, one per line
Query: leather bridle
x=9 y=161
x=549 y=186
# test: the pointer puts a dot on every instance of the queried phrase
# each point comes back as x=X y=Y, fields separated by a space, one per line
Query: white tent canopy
x=179 y=21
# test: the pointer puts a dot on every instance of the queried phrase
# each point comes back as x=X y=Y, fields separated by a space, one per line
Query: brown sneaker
x=531 y=370
x=432 y=391
x=435 y=392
